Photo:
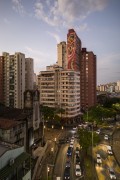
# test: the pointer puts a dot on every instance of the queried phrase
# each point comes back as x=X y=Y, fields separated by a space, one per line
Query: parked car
x=98 y=131
x=78 y=170
x=71 y=144
x=77 y=151
x=77 y=158
x=67 y=173
x=99 y=160
x=109 y=150
x=67 y=164
x=106 y=137
x=69 y=151
x=112 y=174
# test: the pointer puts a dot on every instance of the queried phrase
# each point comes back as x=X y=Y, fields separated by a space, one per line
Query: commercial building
x=60 y=88
x=88 y=79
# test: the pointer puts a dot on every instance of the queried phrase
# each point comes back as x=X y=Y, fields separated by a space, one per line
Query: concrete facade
x=29 y=74
x=60 y=88
x=1 y=79
x=14 y=79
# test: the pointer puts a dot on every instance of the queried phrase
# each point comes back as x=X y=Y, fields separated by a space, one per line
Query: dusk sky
x=35 y=27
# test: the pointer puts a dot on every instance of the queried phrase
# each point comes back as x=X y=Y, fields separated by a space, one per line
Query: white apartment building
x=60 y=88
x=14 y=79
x=29 y=74
x=62 y=55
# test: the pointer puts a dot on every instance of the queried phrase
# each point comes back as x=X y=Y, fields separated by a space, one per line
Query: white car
x=78 y=170
x=71 y=144
x=98 y=131
x=106 y=137
x=112 y=174
x=99 y=160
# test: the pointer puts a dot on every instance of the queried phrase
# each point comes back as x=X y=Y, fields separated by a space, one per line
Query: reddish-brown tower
x=73 y=50
x=88 y=79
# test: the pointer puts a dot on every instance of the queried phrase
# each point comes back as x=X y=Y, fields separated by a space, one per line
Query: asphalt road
x=107 y=160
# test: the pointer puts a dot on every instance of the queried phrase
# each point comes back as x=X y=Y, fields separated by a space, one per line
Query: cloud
x=36 y=52
x=40 y=58
x=66 y=12
x=55 y=36
x=6 y=21
x=108 y=68
x=81 y=27
x=18 y=7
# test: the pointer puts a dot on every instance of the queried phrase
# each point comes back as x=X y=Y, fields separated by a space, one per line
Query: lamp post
x=48 y=169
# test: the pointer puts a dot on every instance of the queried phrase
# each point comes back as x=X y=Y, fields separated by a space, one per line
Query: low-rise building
x=15 y=164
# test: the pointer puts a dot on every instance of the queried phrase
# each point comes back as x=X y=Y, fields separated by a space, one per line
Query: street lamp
x=62 y=127
x=48 y=169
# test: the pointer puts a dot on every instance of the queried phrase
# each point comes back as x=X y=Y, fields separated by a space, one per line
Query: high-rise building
x=29 y=74
x=73 y=51
x=61 y=55
x=1 y=79
x=14 y=79
x=60 y=88
x=18 y=77
x=88 y=79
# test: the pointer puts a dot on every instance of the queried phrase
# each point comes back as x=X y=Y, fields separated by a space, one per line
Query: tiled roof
x=7 y=123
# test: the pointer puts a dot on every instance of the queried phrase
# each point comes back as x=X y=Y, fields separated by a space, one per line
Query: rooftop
x=4 y=146
x=8 y=124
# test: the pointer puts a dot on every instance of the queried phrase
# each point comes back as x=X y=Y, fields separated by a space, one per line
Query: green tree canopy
x=85 y=139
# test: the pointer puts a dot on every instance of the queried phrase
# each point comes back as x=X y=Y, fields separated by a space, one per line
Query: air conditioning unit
x=11 y=162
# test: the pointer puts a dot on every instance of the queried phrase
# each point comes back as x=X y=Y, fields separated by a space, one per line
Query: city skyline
x=37 y=27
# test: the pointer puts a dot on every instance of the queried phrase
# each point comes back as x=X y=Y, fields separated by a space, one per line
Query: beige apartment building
x=62 y=55
x=29 y=74
x=60 y=89
x=16 y=76
x=14 y=79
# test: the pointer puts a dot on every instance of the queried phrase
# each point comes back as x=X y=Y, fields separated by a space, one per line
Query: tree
x=85 y=139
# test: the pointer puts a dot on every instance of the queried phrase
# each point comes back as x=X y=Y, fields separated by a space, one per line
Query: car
x=67 y=164
x=71 y=145
x=67 y=173
x=78 y=170
x=109 y=150
x=69 y=151
x=77 y=159
x=99 y=160
x=74 y=128
x=106 y=137
x=62 y=141
x=112 y=174
x=98 y=131
x=77 y=151
x=72 y=140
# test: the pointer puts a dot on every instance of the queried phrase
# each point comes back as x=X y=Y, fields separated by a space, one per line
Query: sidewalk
x=116 y=145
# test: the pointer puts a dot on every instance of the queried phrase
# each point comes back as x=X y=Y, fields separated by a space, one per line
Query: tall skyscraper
x=1 y=79
x=62 y=55
x=88 y=79
x=14 y=79
x=29 y=74
x=73 y=51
